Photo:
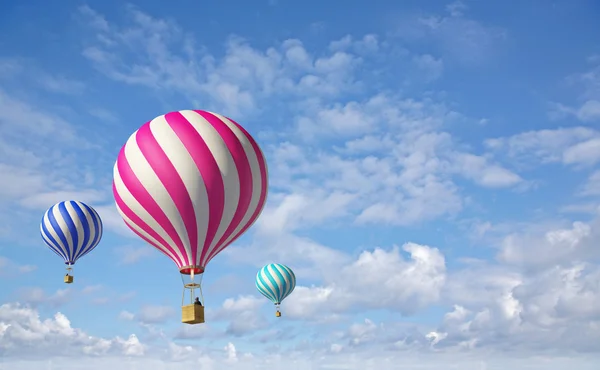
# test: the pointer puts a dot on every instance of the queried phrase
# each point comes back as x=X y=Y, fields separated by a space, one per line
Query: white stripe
x=90 y=220
x=273 y=270
x=45 y=237
x=78 y=226
x=255 y=171
x=269 y=283
x=229 y=173
x=146 y=175
x=90 y=217
x=185 y=167
x=135 y=227
x=54 y=235
x=283 y=282
x=137 y=208
x=290 y=284
x=64 y=228
x=264 y=286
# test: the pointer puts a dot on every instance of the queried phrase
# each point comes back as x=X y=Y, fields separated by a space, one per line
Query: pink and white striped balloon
x=190 y=183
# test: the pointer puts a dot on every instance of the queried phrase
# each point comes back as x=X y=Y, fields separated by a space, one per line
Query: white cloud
x=431 y=67
x=571 y=146
x=459 y=37
x=484 y=173
x=236 y=84
x=592 y=185
x=21 y=118
x=26 y=70
x=242 y=315
x=112 y=220
x=39 y=153
x=129 y=255
x=408 y=184
x=575 y=242
x=366 y=344
x=36 y=296
x=377 y=279
x=126 y=315
x=9 y=268
x=588 y=83
x=554 y=310
x=21 y=329
x=150 y=314
x=44 y=200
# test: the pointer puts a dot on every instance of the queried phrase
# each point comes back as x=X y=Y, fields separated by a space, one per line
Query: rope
x=192 y=290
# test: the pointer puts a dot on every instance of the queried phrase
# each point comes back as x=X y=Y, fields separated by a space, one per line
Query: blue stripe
x=72 y=230
x=97 y=223
x=61 y=236
x=86 y=231
x=98 y=229
x=55 y=247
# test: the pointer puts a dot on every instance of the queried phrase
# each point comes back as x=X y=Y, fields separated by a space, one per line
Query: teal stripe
x=272 y=296
x=290 y=281
x=265 y=293
x=278 y=284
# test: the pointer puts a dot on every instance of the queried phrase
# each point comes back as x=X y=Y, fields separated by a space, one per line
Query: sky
x=434 y=182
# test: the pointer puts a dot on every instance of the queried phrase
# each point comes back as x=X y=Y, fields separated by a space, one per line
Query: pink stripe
x=210 y=172
x=171 y=180
x=146 y=239
x=139 y=192
x=142 y=225
x=244 y=171
x=263 y=191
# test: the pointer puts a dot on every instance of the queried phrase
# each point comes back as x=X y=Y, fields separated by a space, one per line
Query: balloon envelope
x=190 y=183
x=71 y=229
x=275 y=281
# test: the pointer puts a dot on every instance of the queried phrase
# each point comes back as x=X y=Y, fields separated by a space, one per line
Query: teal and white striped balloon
x=276 y=281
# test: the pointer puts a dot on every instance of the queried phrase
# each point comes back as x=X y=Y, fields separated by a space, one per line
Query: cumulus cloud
x=22 y=329
x=242 y=315
x=554 y=310
x=543 y=248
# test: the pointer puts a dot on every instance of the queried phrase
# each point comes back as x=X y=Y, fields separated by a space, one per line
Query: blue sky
x=434 y=182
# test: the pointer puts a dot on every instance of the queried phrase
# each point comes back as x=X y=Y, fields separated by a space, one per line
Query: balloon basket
x=69 y=276
x=192 y=314
x=277 y=314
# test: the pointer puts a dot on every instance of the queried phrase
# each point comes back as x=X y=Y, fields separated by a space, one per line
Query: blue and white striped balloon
x=275 y=281
x=71 y=229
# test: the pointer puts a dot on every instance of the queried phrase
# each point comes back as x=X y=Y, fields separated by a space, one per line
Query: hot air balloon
x=71 y=229
x=190 y=183
x=276 y=281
